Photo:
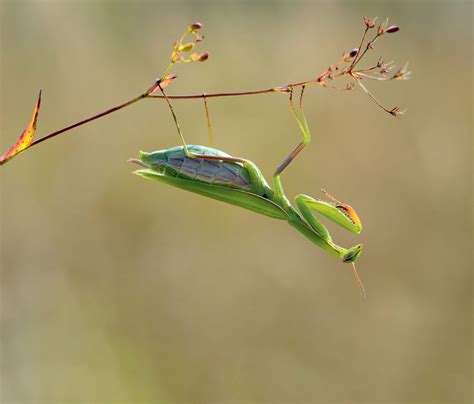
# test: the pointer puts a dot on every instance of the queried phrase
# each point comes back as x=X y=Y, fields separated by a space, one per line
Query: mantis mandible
x=237 y=181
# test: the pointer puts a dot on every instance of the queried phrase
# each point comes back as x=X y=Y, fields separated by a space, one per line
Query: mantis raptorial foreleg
x=339 y=213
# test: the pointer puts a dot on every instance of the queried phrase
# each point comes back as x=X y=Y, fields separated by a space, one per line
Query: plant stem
x=212 y=95
x=282 y=89
x=90 y=119
x=147 y=95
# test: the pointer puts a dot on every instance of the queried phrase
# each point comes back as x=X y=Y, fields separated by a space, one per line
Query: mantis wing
x=236 y=197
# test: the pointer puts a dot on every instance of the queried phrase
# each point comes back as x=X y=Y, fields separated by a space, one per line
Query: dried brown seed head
x=195 y=26
x=392 y=29
x=203 y=57
x=199 y=57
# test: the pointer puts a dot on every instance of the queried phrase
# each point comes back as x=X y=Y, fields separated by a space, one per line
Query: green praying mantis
x=238 y=181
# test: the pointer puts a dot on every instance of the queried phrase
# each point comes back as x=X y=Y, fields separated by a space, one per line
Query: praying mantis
x=238 y=181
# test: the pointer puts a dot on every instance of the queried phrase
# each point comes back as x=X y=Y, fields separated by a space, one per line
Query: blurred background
x=119 y=290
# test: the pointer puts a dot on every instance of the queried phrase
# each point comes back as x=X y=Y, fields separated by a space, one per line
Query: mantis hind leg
x=303 y=125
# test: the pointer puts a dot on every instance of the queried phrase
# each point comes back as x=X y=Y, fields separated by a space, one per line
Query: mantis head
x=350 y=257
x=352 y=254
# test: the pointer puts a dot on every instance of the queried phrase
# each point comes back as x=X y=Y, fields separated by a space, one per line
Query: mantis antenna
x=358 y=281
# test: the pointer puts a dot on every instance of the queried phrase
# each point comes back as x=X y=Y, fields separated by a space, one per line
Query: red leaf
x=26 y=137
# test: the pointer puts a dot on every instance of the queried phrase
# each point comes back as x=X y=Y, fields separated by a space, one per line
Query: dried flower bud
x=392 y=29
x=203 y=57
x=195 y=26
x=347 y=56
x=185 y=47
x=369 y=22
x=199 y=57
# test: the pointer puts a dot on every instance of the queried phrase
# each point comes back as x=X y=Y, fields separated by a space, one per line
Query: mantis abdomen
x=175 y=163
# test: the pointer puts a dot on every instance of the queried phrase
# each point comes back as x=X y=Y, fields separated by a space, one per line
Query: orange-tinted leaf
x=163 y=83
x=26 y=137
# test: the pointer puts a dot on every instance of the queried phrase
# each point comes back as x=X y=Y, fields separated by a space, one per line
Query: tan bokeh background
x=119 y=290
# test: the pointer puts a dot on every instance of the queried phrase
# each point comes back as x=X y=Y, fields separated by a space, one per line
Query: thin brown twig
x=368 y=76
x=323 y=78
x=368 y=46
x=354 y=61
x=213 y=95
x=96 y=116
x=86 y=120
x=371 y=96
